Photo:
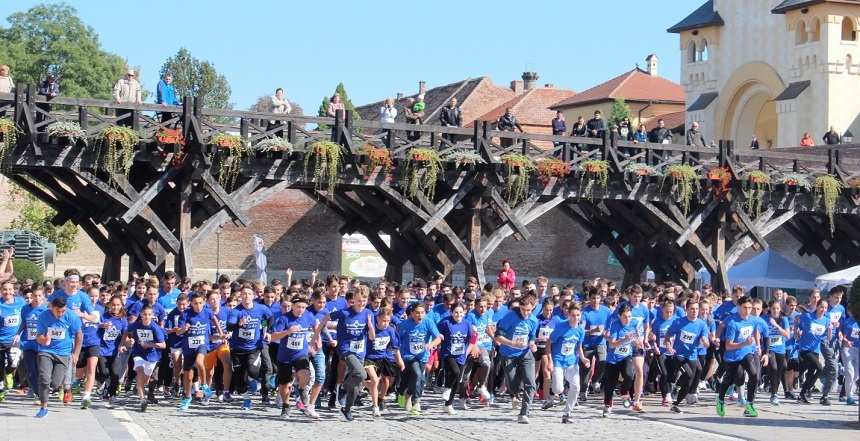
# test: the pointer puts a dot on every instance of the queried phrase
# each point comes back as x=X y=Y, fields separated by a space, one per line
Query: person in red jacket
x=507 y=277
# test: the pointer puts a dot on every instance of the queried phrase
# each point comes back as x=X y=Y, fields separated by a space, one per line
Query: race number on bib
x=484 y=338
x=296 y=341
x=545 y=333
x=356 y=346
x=416 y=347
x=688 y=337
x=622 y=350
x=12 y=320
x=111 y=334
x=567 y=348
x=817 y=329
x=745 y=332
x=855 y=333
x=381 y=343
x=458 y=348
x=247 y=334
x=520 y=339
x=195 y=341
x=31 y=333
x=57 y=333
x=775 y=340
x=144 y=335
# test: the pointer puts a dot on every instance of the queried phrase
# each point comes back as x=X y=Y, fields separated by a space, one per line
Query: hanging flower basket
x=597 y=175
x=68 y=130
x=421 y=160
x=9 y=133
x=794 y=181
x=828 y=186
x=759 y=182
x=377 y=157
x=552 y=168
x=685 y=184
x=328 y=158
x=462 y=158
x=721 y=176
x=640 y=170
x=119 y=144
x=170 y=137
x=517 y=177
x=232 y=149
x=276 y=144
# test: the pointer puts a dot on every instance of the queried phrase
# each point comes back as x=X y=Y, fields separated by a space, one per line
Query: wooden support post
x=720 y=280
x=476 y=266
x=394 y=266
x=184 y=267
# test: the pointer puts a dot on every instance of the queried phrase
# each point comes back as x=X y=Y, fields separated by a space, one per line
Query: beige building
x=769 y=68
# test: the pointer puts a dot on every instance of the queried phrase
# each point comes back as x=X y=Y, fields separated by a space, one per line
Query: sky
x=379 y=48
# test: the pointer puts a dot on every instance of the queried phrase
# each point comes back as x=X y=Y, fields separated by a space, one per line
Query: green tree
x=36 y=215
x=620 y=110
x=347 y=104
x=196 y=78
x=51 y=39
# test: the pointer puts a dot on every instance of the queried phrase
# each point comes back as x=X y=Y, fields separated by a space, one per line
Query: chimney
x=548 y=85
x=530 y=80
x=399 y=96
x=517 y=87
x=652 y=64
x=422 y=87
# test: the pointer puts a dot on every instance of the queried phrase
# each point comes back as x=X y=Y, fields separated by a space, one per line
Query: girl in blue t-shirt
x=682 y=341
x=417 y=336
x=778 y=331
x=623 y=336
x=383 y=362
x=659 y=326
x=565 y=348
x=29 y=346
x=458 y=339
x=111 y=331
x=812 y=329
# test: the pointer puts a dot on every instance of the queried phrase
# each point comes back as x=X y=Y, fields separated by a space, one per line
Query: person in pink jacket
x=507 y=277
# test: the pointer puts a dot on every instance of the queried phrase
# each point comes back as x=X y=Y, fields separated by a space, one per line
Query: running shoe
x=515 y=403
x=801 y=399
x=742 y=401
x=207 y=391
x=312 y=414
x=266 y=400
x=167 y=394
x=415 y=411
x=143 y=405
x=67 y=397
x=186 y=403
x=76 y=386
x=446 y=393
x=750 y=411
x=627 y=401
x=86 y=403
x=376 y=413
x=607 y=410
x=583 y=397
x=42 y=413
x=666 y=401
x=151 y=399
x=227 y=397
x=450 y=410
x=547 y=404
x=31 y=393
x=790 y=396
x=253 y=386
x=2 y=395
x=675 y=409
x=562 y=400
x=774 y=400
x=347 y=414
x=824 y=401
x=285 y=411
x=463 y=404
x=112 y=401
x=205 y=401
x=851 y=402
x=300 y=406
x=401 y=401
x=523 y=419
x=485 y=394
x=246 y=404
x=638 y=408
x=565 y=419
x=721 y=408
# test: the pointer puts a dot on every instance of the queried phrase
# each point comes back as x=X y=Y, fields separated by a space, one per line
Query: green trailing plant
x=118 y=144
x=596 y=175
x=759 y=183
x=792 y=179
x=9 y=133
x=418 y=160
x=685 y=183
x=641 y=169
x=233 y=149
x=328 y=159
x=517 y=176
x=464 y=157
x=828 y=186
x=68 y=129
x=276 y=144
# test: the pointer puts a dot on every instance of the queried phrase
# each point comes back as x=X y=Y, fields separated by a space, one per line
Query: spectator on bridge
x=754 y=143
x=334 y=106
x=280 y=105
x=450 y=116
x=807 y=140
x=695 y=137
x=49 y=89
x=412 y=117
x=126 y=89
x=660 y=135
x=832 y=137
x=596 y=128
x=559 y=127
x=387 y=113
x=166 y=96
x=6 y=84
x=508 y=123
x=625 y=132
x=579 y=129
x=640 y=135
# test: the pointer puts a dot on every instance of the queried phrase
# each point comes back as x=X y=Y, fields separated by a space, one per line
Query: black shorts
x=793 y=365
x=189 y=360
x=384 y=367
x=87 y=353
x=285 y=370
x=638 y=352
x=540 y=352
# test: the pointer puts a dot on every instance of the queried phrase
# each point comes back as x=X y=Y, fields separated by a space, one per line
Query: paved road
x=220 y=421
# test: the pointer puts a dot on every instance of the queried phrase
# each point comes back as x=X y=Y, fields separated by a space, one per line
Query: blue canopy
x=769 y=269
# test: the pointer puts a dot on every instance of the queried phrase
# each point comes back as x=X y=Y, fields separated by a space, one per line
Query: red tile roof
x=530 y=108
x=635 y=85
x=675 y=121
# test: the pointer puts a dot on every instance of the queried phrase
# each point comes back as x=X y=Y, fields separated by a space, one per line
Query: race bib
x=484 y=338
x=855 y=333
x=31 y=333
x=356 y=346
x=688 y=337
x=817 y=329
x=567 y=349
x=458 y=348
x=661 y=342
x=176 y=321
x=834 y=317
x=144 y=335
x=195 y=341
x=622 y=350
x=745 y=332
x=544 y=333
x=380 y=344
x=247 y=334
x=416 y=347
x=520 y=339
x=57 y=333
x=111 y=334
x=12 y=320
x=296 y=341
x=775 y=340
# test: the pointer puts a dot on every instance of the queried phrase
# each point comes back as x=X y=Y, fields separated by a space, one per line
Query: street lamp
x=847 y=137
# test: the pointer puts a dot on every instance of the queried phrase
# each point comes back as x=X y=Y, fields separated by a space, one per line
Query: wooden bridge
x=171 y=200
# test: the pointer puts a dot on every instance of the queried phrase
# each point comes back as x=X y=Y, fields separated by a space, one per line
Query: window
x=815 y=29
x=849 y=32
x=691 y=52
x=800 y=32
x=703 y=50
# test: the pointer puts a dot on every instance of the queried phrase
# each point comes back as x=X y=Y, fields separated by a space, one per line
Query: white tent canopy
x=844 y=277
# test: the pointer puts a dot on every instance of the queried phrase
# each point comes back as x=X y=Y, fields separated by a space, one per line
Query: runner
x=194 y=330
x=622 y=337
x=778 y=330
x=565 y=348
x=246 y=324
x=594 y=318
x=149 y=339
x=640 y=317
x=58 y=332
x=481 y=318
x=29 y=346
x=10 y=323
x=660 y=344
x=830 y=347
x=88 y=359
x=113 y=326
x=219 y=348
x=546 y=323
x=850 y=332
x=382 y=354
x=792 y=368
x=741 y=342
x=292 y=330
x=812 y=329
x=174 y=346
x=316 y=350
x=515 y=335
x=418 y=334
x=682 y=341
x=458 y=339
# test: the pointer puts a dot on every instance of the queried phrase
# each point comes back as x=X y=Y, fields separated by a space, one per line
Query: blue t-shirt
x=775 y=340
x=79 y=300
x=660 y=327
x=159 y=314
x=91 y=329
x=687 y=336
x=837 y=315
x=414 y=336
x=738 y=330
x=10 y=318
x=174 y=340
x=712 y=328
x=352 y=331
x=564 y=340
x=496 y=315
x=481 y=323
x=545 y=327
x=223 y=315
x=383 y=346
x=295 y=345
x=591 y=319
x=400 y=311
x=813 y=332
x=455 y=338
x=517 y=329
x=62 y=331
x=168 y=300
x=248 y=337
x=438 y=313
x=617 y=331
x=149 y=334
x=197 y=335
x=763 y=331
x=791 y=342
x=110 y=337
x=331 y=306
x=30 y=315
x=851 y=330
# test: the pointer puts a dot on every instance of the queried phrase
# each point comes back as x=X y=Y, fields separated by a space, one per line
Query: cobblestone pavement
x=227 y=422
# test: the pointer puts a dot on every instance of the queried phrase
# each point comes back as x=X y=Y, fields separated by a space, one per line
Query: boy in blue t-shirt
x=565 y=348
x=59 y=335
x=515 y=335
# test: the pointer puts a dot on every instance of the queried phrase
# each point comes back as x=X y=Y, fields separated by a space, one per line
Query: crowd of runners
x=340 y=343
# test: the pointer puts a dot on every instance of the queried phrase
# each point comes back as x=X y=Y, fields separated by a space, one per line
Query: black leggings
x=597 y=356
x=624 y=368
x=810 y=364
x=690 y=371
x=453 y=371
x=664 y=364
x=5 y=363
x=246 y=366
x=776 y=365
x=108 y=368
x=735 y=375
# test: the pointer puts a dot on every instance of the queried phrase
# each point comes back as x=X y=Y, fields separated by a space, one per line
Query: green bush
x=25 y=269
x=854 y=298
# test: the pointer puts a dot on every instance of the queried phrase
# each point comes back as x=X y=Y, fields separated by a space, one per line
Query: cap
x=130 y=72
x=51 y=77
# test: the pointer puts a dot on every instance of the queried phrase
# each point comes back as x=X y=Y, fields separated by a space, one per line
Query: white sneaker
x=446 y=393
x=463 y=405
x=450 y=410
x=522 y=419
x=484 y=392
x=515 y=403
x=408 y=406
x=312 y=414
x=416 y=406
x=376 y=412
